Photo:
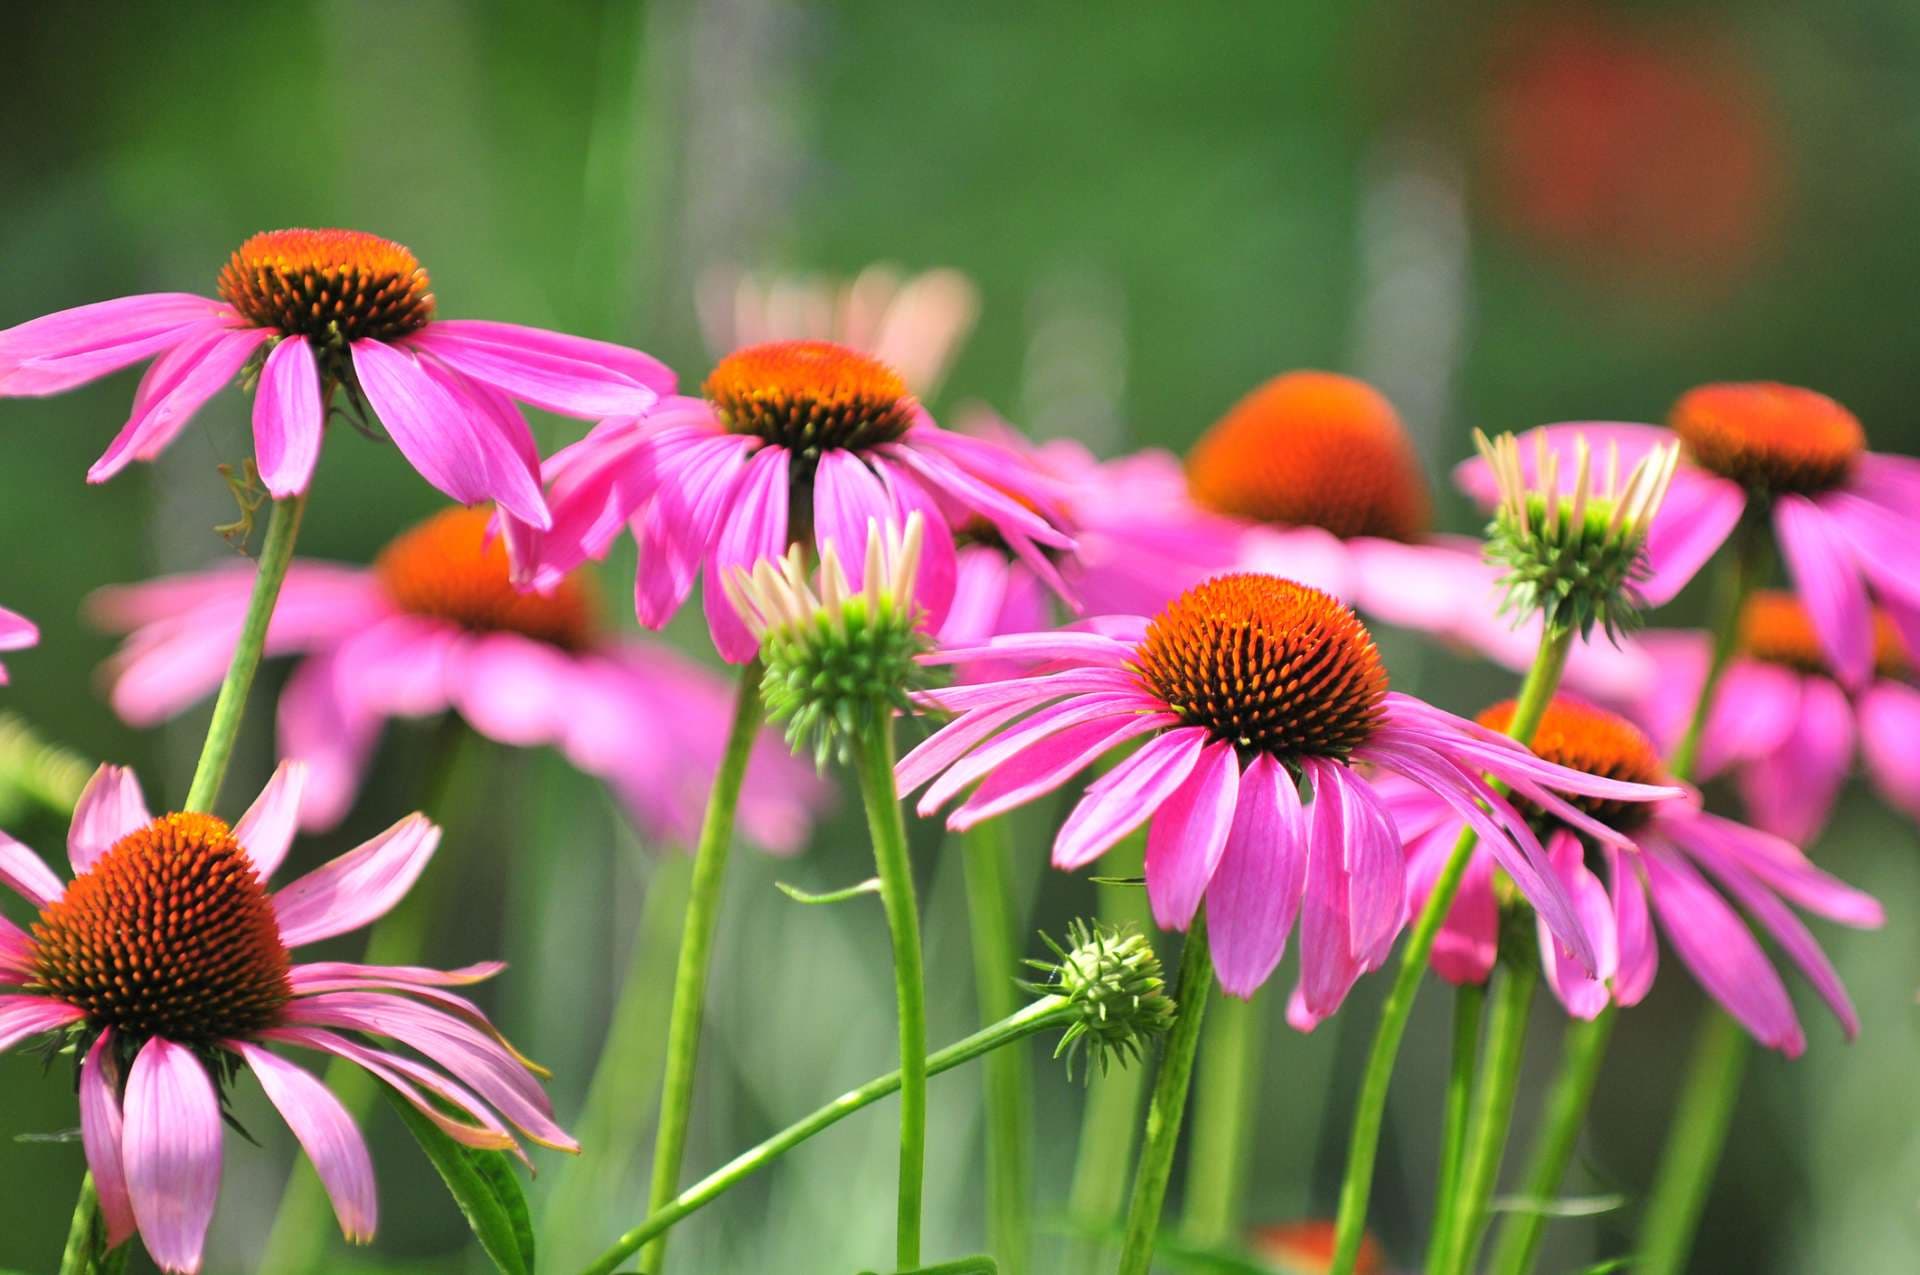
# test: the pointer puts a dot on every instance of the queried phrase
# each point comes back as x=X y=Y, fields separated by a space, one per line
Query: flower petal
x=266 y=830
x=1637 y=950
x=110 y=807
x=1046 y=765
x=288 y=416
x=754 y=528
x=1584 y=995
x=327 y=1134
x=1189 y=834
x=24 y=1016
x=101 y=1136
x=1790 y=791
x=1889 y=725
x=359 y=887
x=1127 y=797
x=173 y=390
x=1827 y=578
x=570 y=375
x=847 y=497
x=1255 y=891
x=171 y=1149
x=328 y=735
x=27 y=874
x=486 y=1133
x=71 y=347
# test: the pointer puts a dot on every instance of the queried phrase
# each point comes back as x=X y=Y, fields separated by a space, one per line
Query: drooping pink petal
x=1889 y=725
x=71 y=347
x=1048 y=764
x=513 y=689
x=24 y=1016
x=326 y=1133
x=1009 y=744
x=101 y=1135
x=266 y=830
x=171 y=1150
x=1638 y=951
x=1468 y=941
x=1255 y=891
x=16 y=955
x=408 y=1078
x=1880 y=535
x=754 y=528
x=1827 y=578
x=359 y=887
x=110 y=807
x=1781 y=865
x=1328 y=967
x=173 y=390
x=951 y=742
x=288 y=418
x=570 y=375
x=1189 y=834
x=1791 y=791
x=332 y=736
x=336 y=976
x=26 y=874
x=1034 y=691
x=1127 y=797
x=1584 y=995
x=939 y=558
x=847 y=497
x=982 y=574
x=1040 y=648
x=1698 y=514
x=1375 y=866
x=679 y=527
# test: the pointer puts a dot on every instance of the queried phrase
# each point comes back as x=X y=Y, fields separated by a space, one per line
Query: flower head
x=167 y=966
x=796 y=442
x=305 y=315
x=435 y=625
x=1574 y=551
x=844 y=657
x=17 y=633
x=1113 y=981
x=1614 y=860
x=1247 y=690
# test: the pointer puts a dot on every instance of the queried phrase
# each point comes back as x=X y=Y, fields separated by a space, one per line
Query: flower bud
x=1114 y=984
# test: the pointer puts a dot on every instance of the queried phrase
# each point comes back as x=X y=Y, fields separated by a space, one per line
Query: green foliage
x=483 y=1184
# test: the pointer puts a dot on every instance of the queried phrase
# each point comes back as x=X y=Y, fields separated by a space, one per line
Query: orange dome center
x=170 y=933
x=1266 y=664
x=1595 y=742
x=810 y=397
x=1775 y=627
x=1313 y=449
x=1769 y=437
x=448 y=568
x=328 y=285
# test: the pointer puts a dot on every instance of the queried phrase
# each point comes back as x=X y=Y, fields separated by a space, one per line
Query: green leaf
x=1118 y=880
x=979 y=1264
x=870 y=886
x=483 y=1184
x=1570 y=1206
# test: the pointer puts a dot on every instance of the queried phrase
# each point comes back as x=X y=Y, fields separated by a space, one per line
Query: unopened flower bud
x=1114 y=983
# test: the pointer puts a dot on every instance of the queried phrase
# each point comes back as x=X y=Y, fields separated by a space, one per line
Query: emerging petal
x=1189 y=834
x=1255 y=891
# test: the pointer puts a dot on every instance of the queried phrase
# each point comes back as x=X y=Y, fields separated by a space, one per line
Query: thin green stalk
x=873 y=761
x=1692 y=1153
x=1223 y=1121
x=86 y=1252
x=1737 y=582
x=1007 y=1074
x=1110 y=1118
x=1370 y=1109
x=276 y=552
x=1468 y=1001
x=1566 y=1110
x=1493 y=1099
x=1169 y=1101
x=1046 y=1012
x=696 y=952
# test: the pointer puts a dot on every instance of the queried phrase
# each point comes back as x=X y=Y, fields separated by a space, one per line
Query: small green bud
x=1114 y=983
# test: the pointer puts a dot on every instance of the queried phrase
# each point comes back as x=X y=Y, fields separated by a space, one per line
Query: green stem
x=1007 y=1074
x=1169 y=1101
x=1566 y=1111
x=1468 y=1000
x=1692 y=1153
x=1111 y=1115
x=1737 y=581
x=1046 y=1012
x=1370 y=1109
x=87 y=1252
x=873 y=761
x=1223 y=1121
x=696 y=952
x=1493 y=1099
x=276 y=552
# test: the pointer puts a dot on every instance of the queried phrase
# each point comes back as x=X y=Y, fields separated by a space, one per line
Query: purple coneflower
x=17 y=633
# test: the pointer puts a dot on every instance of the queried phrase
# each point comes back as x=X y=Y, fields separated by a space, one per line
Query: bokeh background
x=1502 y=212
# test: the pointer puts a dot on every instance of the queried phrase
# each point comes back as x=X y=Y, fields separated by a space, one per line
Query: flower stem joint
x=1114 y=984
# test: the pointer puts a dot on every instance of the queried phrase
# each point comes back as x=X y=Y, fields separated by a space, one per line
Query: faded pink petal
x=173 y=390
x=326 y=1133
x=266 y=830
x=1790 y=791
x=359 y=887
x=1889 y=727
x=24 y=1016
x=171 y=1150
x=1255 y=891
x=110 y=807
x=331 y=737
x=288 y=418
x=1828 y=580
x=755 y=528
x=101 y=1136
x=1189 y=834
x=513 y=689
x=26 y=874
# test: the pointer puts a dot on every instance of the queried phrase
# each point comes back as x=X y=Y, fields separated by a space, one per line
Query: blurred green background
x=1503 y=213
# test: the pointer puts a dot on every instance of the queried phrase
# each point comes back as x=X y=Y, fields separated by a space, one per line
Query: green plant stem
x=1468 y=1000
x=1370 y=1108
x=1493 y=1098
x=1692 y=1153
x=1169 y=1100
x=1223 y=1121
x=696 y=953
x=276 y=553
x=1111 y=1115
x=1007 y=1074
x=1566 y=1110
x=873 y=761
x=86 y=1252
x=1046 y=1012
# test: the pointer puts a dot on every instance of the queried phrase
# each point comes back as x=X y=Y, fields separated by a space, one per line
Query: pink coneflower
x=181 y=901
x=1241 y=689
x=1674 y=854
x=1846 y=519
x=434 y=625
x=1782 y=725
x=302 y=313
x=793 y=441
x=17 y=633
x=1322 y=467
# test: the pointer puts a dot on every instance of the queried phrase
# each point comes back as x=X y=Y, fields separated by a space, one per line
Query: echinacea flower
x=305 y=313
x=1846 y=519
x=794 y=442
x=1327 y=475
x=166 y=966
x=1239 y=691
x=435 y=626
x=1781 y=724
x=17 y=633
x=1700 y=872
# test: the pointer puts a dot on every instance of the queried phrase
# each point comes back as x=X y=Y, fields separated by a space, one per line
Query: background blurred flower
x=17 y=633
x=183 y=896
x=434 y=625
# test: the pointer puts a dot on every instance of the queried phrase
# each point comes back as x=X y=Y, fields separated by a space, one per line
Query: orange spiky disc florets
x=1775 y=627
x=1313 y=449
x=1595 y=742
x=170 y=933
x=1769 y=437
x=450 y=569
x=328 y=285
x=1267 y=664
x=810 y=396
